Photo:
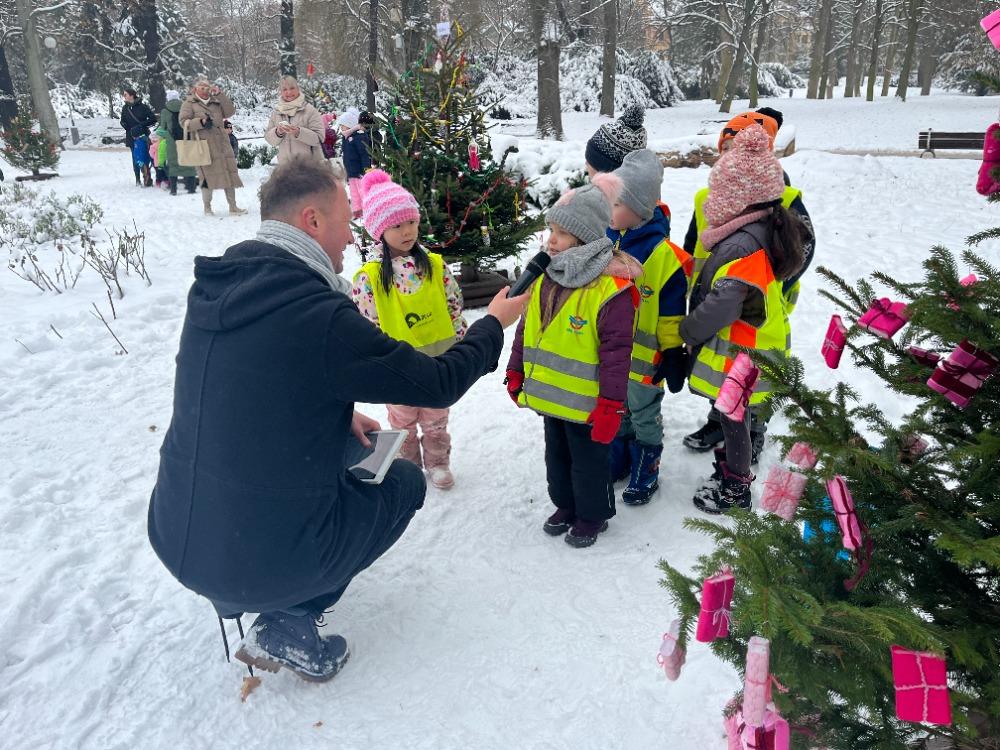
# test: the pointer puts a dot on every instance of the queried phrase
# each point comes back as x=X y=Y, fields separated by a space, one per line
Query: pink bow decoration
x=772 y=735
x=924 y=356
x=921 y=683
x=716 y=606
x=802 y=455
x=474 y=157
x=963 y=373
x=854 y=534
x=783 y=490
x=757 y=680
x=671 y=656
x=834 y=343
x=734 y=395
x=884 y=318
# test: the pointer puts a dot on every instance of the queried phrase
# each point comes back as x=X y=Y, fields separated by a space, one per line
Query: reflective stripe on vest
x=561 y=361
x=420 y=319
x=716 y=356
x=701 y=255
x=661 y=264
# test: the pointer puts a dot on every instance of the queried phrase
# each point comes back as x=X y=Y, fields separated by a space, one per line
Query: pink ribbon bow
x=734 y=395
x=884 y=318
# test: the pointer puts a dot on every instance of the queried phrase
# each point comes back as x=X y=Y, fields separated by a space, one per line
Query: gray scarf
x=305 y=248
x=580 y=265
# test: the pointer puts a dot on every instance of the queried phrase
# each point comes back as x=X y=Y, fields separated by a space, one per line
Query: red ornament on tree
x=474 y=157
x=310 y=69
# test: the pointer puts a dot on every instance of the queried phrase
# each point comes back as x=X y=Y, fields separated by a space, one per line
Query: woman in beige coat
x=296 y=128
x=205 y=111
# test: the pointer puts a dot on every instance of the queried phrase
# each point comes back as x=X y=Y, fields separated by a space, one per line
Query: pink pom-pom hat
x=385 y=204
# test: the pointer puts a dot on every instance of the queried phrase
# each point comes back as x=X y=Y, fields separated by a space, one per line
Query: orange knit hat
x=745 y=120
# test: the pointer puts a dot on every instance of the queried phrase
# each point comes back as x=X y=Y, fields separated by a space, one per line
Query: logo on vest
x=646 y=291
x=412 y=319
x=576 y=324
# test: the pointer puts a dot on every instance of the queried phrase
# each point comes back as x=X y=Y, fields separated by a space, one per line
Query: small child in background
x=355 y=145
x=640 y=228
x=233 y=140
x=412 y=296
x=570 y=360
x=158 y=155
x=329 y=144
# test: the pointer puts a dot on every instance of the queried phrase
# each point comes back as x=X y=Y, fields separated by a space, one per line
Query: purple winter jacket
x=615 y=329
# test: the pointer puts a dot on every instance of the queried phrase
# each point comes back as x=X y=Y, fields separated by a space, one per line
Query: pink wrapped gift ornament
x=757 y=681
x=734 y=395
x=671 y=656
x=783 y=490
x=716 y=606
x=803 y=456
x=853 y=533
x=924 y=356
x=921 y=683
x=834 y=343
x=914 y=446
x=991 y=25
x=772 y=735
x=972 y=278
x=963 y=373
x=884 y=318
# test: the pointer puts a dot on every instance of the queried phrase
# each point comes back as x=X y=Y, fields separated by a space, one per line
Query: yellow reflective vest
x=716 y=356
x=665 y=260
x=420 y=319
x=561 y=365
x=701 y=254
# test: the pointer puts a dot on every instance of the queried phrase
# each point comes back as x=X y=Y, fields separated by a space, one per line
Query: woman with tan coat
x=296 y=128
x=204 y=112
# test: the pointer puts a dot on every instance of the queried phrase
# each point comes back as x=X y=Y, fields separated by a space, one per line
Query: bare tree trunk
x=824 y=91
x=586 y=22
x=564 y=19
x=927 y=66
x=758 y=51
x=287 y=55
x=8 y=99
x=372 y=86
x=726 y=42
x=912 y=26
x=40 y=97
x=889 y=55
x=609 y=63
x=736 y=72
x=549 y=123
x=416 y=20
x=817 y=57
x=852 y=50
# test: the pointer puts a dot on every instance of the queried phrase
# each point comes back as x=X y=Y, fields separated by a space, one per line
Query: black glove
x=672 y=368
x=207 y=122
x=138 y=131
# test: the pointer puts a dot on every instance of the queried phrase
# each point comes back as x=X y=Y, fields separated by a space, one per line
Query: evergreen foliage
x=25 y=146
x=933 y=518
x=475 y=216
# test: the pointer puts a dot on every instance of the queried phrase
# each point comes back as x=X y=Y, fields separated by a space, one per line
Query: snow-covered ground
x=476 y=630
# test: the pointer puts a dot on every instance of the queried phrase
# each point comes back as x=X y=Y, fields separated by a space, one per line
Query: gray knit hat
x=583 y=212
x=641 y=174
x=608 y=146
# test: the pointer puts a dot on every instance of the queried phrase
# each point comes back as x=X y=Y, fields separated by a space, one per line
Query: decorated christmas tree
x=434 y=141
x=25 y=146
x=874 y=571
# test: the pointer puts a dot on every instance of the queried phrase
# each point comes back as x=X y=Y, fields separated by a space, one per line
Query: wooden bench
x=931 y=140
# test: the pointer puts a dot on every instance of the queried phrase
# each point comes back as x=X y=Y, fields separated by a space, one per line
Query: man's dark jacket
x=252 y=471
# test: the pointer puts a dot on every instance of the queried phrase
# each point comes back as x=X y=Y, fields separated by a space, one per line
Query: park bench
x=931 y=140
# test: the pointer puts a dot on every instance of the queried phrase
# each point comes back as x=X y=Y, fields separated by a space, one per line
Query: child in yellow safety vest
x=709 y=435
x=755 y=243
x=638 y=228
x=570 y=361
x=412 y=296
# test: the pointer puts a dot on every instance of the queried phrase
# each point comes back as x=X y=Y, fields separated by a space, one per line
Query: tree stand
x=479 y=287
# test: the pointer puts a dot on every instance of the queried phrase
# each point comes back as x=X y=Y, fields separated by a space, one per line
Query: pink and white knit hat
x=385 y=204
x=747 y=175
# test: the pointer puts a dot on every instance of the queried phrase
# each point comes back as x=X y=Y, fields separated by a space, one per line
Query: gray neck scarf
x=305 y=248
x=580 y=265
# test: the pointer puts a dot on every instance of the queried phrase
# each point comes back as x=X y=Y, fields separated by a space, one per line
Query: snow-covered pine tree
x=932 y=516
x=25 y=145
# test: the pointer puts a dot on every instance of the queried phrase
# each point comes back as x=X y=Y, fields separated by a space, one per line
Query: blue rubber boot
x=620 y=459
x=278 y=639
x=645 y=479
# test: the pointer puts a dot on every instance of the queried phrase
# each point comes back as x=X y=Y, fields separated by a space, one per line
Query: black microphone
x=535 y=268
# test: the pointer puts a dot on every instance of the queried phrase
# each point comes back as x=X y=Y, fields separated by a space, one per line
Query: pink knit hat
x=747 y=175
x=385 y=204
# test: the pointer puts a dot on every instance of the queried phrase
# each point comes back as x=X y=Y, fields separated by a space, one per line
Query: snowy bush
x=782 y=76
x=657 y=76
x=767 y=85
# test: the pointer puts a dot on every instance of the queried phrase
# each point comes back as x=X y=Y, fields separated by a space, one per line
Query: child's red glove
x=606 y=418
x=514 y=381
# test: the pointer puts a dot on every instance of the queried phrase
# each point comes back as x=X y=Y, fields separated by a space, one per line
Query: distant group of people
x=296 y=128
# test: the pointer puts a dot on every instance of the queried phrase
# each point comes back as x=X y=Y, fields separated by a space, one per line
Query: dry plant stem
x=101 y=318
x=55 y=331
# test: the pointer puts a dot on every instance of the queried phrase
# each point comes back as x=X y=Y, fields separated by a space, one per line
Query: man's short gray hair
x=292 y=182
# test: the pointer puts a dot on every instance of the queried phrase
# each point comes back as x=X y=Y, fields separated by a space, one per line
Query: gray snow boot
x=278 y=639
